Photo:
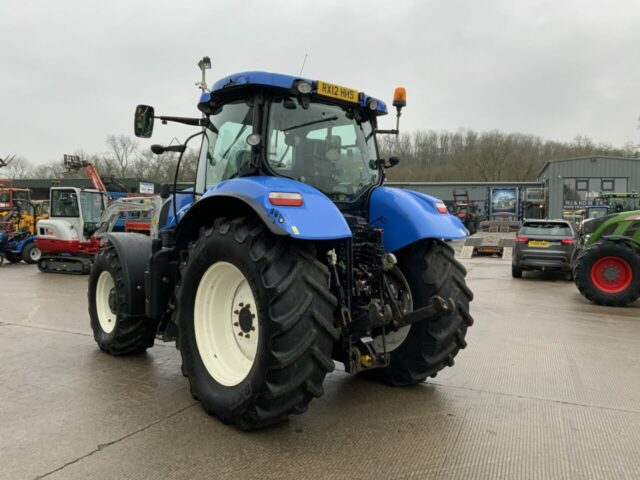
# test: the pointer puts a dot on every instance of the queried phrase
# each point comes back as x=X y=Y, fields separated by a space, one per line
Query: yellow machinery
x=16 y=203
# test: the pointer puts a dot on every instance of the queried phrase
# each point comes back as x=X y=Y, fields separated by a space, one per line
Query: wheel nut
x=240 y=333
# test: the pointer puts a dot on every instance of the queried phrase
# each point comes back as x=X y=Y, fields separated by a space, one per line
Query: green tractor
x=607 y=268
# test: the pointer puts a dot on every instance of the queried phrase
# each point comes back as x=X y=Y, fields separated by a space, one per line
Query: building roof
x=587 y=157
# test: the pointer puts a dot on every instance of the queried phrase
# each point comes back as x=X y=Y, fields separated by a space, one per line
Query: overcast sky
x=71 y=73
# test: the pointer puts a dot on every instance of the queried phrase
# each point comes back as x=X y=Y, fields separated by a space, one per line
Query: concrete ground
x=549 y=387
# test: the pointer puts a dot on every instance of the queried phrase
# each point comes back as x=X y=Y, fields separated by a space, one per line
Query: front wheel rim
x=226 y=324
x=35 y=254
x=105 y=301
x=611 y=274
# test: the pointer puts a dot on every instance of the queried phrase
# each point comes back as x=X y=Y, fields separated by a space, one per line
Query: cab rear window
x=547 y=229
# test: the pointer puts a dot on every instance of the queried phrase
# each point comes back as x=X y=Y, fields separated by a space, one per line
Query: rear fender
x=408 y=216
x=317 y=219
x=22 y=244
x=183 y=202
x=134 y=251
x=622 y=239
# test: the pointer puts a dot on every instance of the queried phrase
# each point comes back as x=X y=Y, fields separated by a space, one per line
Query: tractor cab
x=263 y=124
x=14 y=199
x=16 y=208
x=619 y=202
x=324 y=142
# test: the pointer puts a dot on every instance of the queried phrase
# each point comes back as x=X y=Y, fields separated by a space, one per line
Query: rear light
x=286 y=199
x=566 y=241
x=522 y=239
x=442 y=208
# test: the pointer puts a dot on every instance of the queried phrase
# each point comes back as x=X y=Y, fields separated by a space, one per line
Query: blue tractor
x=18 y=246
x=287 y=254
x=17 y=242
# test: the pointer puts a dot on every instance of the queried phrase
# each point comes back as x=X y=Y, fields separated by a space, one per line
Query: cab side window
x=224 y=150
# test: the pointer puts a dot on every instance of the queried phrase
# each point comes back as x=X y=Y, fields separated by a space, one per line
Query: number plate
x=538 y=243
x=336 y=91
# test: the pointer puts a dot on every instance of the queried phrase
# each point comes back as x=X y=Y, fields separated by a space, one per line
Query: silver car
x=544 y=245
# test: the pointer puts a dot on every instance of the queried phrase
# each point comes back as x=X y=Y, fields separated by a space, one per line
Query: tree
x=18 y=168
x=122 y=153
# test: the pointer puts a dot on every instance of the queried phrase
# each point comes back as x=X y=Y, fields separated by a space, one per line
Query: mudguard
x=317 y=218
x=407 y=216
x=134 y=251
x=21 y=245
x=183 y=202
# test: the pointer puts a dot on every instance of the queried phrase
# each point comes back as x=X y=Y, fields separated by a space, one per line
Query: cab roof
x=276 y=80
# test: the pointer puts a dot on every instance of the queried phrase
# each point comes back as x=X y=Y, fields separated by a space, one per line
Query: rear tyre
x=608 y=273
x=256 y=323
x=12 y=258
x=516 y=272
x=114 y=330
x=31 y=254
x=430 y=269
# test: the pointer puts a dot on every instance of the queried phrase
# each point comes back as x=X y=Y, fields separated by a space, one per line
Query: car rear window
x=548 y=229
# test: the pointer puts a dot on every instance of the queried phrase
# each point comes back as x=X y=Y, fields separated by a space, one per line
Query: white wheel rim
x=226 y=324
x=394 y=338
x=35 y=254
x=106 y=316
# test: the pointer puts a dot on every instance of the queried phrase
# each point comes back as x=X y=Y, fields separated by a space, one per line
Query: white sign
x=146 y=187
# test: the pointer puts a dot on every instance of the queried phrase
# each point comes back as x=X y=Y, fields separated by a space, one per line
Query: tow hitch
x=437 y=307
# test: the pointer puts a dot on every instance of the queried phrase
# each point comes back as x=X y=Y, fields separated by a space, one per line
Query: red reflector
x=522 y=239
x=566 y=241
x=286 y=199
x=442 y=208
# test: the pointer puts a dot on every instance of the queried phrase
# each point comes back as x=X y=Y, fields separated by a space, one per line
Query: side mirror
x=165 y=191
x=393 y=161
x=143 y=121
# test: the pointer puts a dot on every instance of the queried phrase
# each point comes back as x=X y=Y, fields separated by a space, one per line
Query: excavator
x=69 y=239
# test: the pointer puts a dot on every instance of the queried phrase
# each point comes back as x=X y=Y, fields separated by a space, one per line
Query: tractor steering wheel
x=319 y=171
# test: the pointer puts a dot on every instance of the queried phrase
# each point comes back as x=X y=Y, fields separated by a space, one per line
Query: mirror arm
x=196 y=122
x=388 y=132
x=175 y=177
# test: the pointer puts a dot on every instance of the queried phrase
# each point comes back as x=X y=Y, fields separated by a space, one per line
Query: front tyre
x=516 y=272
x=430 y=269
x=256 y=323
x=608 y=273
x=114 y=330
x=31 y=254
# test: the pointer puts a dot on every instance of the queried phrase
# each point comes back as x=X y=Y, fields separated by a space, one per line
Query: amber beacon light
x=400 y=97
